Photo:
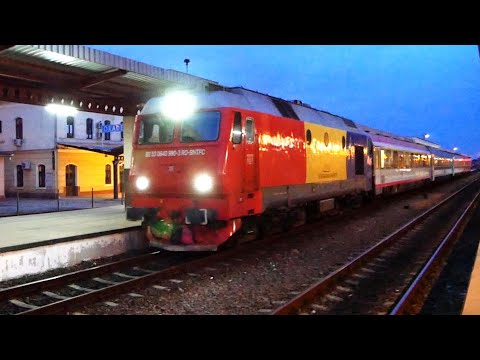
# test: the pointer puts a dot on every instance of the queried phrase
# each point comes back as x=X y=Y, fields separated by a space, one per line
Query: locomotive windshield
x=155 y=130
x=200 y=126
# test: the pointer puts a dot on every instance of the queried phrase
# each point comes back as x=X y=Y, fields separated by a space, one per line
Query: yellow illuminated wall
x=90 y=171
x=326 y=157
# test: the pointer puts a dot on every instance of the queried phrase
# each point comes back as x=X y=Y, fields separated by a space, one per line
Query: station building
x=45 y=153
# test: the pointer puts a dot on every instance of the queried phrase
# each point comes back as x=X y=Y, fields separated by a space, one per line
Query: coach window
x=408 y=160
x=0 y=126
x=326 y=139
x=121 y=134
x=249 y=131
x=395 y=160
x=237 y=128
x=108 y=174
x=387 y=156
x=19 y=176
x=89 y=128
x=401 y=160
x=41 y=175
x=377 y=153
x=416 y=160
x=19 y=128
x=424 y=160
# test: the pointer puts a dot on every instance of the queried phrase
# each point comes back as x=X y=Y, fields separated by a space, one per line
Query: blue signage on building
x=112 y=128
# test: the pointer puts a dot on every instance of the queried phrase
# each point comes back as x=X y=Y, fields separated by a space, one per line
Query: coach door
x=251 y=157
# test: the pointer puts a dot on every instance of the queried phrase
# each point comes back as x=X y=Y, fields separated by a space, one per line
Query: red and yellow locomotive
x=212 y=165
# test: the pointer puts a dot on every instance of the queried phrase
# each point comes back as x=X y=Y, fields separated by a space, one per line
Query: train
x=212 y=168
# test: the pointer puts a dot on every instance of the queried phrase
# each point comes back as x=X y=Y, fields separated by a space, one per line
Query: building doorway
x=70 y=180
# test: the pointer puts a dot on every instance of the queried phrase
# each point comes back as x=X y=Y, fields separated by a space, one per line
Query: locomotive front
x=179 y=166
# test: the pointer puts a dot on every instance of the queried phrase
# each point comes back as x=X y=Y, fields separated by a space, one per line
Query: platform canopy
x=89 y=79
x=113 y=150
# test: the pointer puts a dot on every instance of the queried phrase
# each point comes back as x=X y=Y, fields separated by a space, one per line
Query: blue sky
x=406 y=89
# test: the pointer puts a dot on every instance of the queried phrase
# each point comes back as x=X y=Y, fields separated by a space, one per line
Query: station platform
x=31 y=244
x=471 y=305
x=19 y=232
x=472 y=300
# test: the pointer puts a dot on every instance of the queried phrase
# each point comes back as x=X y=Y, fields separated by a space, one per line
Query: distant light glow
x=61 y=109
x=178 y=105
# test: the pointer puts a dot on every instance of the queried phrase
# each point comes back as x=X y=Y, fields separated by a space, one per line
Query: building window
x=121 y=134
x=89 y=128
x=107 y=134
x=41 y=176
x=19 y=176
x=108 y=174
x=70 y=128
x=19 y=128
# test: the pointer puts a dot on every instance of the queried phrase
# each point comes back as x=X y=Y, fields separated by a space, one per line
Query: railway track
x=65 y=293
x=393 y=276
x=60 y=294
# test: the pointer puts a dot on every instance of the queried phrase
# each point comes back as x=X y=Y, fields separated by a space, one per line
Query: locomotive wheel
x=250 y=229
x=232 y=242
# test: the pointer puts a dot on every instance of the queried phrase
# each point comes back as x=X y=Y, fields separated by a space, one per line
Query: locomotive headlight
x=178 y=105
x=142 y=183
x=203 y=183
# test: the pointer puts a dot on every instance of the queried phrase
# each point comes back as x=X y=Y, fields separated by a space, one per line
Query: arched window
x=19 y=176
x=89 y=128
x=19 y=128
x=108 y=174
x=70 y=127
x=41 y=176
x=107 y=134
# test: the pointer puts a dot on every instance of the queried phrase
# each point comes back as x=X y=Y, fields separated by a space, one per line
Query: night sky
x=409 y=90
